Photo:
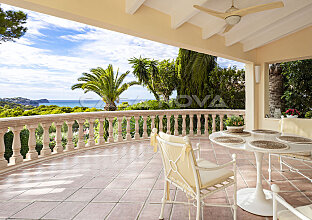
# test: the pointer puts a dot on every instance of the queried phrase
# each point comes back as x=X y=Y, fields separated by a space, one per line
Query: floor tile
x=36 y=210
x=95 y=211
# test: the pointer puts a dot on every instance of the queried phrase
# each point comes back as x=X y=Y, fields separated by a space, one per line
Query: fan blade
x=257 y=8
x=227 y=28
x=211 y=12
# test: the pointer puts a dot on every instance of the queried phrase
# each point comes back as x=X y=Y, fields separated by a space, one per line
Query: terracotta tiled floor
x=125 y=181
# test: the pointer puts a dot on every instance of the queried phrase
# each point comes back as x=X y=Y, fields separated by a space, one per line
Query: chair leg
x=198 y=206
x=163 y=201
x=281 y=163
x=270 y=170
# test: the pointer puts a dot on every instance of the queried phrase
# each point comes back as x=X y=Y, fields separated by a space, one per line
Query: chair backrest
x=179 y=161
x=297 y=126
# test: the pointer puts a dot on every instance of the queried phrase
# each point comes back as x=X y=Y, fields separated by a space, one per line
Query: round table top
x=293 y=148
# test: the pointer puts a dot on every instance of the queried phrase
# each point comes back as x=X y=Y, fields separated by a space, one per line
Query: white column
x=46 y=151
x=101 y=140
x=183 y=125
x=176 y=125
x=250 y=107
x=161 y=123
x=137 y=127
x=221 y=122
x=3 y=161
x=110 y=130
x=213 y=123
x=91 y=141
x=207 y=125
x=16 y=158
x=119 y=135
x=128 y=135
x=198 y=125
x=58 y=146
x=168 y=124
x=81 y=143
x=145 y=135
x=191 y=125
x=70 y=145
x=32 y=154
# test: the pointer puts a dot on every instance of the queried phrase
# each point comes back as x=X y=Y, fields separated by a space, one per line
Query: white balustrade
x=17 y=124
x=32 y=153
x=3 y=161
x=70 y=145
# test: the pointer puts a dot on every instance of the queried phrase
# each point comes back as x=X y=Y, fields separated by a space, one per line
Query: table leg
x=256 y=200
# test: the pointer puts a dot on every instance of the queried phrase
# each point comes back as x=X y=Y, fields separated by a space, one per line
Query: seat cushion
x=210 y=178
x=288 y=215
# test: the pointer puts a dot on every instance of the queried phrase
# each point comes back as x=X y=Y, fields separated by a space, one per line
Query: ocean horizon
x=88 y=103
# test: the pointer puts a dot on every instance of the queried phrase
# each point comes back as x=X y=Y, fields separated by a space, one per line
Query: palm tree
x=145 y=70
x=276 y=88
x=106 y=84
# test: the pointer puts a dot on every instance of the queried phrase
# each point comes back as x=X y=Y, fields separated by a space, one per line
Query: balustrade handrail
x=35 y=119
x=130 y=125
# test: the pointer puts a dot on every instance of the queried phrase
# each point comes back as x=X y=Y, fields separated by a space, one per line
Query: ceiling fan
x=233 y=15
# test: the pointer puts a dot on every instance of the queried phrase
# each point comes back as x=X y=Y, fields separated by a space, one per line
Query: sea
x=89 y=103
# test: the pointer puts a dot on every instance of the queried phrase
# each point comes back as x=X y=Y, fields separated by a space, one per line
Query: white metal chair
x=299 y=213
x=294 y=126
x=198 y=178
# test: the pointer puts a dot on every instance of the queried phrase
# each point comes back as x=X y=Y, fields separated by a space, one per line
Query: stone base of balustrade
x=3 y=163
x=45 y=152
x=32 y=155
x=16 y=159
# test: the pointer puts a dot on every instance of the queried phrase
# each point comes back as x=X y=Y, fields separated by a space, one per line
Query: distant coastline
x=88 y=103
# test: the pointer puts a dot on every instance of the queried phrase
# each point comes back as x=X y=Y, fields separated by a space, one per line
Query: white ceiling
x=253 y=31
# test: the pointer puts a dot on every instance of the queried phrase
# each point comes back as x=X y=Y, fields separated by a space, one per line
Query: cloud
x=54 y=52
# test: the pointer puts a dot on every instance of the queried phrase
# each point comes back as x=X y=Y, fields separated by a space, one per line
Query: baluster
x=191 y=125
x=16 y=158
x=145 y=134
x=198 y=125
x=70 y=145
x=46 y=151
x=183 y=125
x=128 y=129
x=160 y=123
x=58 y=139
x=137 y=127
x=32 y=153
x=221 y=122
x=168 y=124
x=207 y=125
x=153 y=124
x=81 y=143
x=119 y=135
x=101 y=140
x=176 y=125
x=3 y=161
x=91 y=141
x=213 y=123
x=111 y=130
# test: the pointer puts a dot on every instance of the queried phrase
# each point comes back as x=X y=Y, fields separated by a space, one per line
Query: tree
x=106 y=84
x=11 y=25
x=298 y=84
x=193 y=70
x=166 y=79
x=145 y=70
x=229 y=84
x=276 y=89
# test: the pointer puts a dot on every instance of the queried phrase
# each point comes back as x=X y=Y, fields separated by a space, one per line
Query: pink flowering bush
x=234 y=121
x=292 y=111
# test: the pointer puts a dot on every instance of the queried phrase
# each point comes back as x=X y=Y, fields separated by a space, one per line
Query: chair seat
x=288 y=215
x=210 y=178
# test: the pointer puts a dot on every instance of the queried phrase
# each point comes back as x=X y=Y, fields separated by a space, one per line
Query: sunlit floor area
x=125 y=181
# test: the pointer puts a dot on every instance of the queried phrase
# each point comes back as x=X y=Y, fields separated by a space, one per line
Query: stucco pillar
x=250 y=90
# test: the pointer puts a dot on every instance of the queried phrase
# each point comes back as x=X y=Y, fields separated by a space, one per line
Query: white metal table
x=258 y=200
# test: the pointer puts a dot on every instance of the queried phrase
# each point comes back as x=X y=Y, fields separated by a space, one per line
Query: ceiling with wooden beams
x=253 y=31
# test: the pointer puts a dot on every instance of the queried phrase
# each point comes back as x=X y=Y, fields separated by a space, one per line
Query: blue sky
x=54 y=52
